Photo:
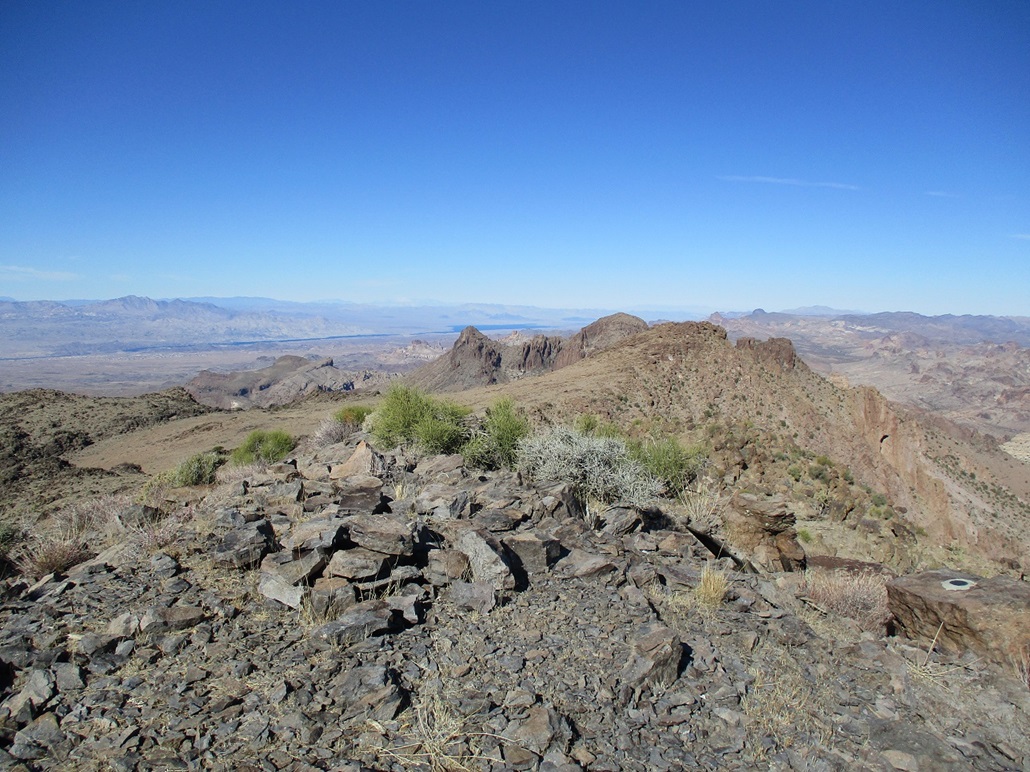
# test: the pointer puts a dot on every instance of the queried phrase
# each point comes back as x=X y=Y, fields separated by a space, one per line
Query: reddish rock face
x=990 y=617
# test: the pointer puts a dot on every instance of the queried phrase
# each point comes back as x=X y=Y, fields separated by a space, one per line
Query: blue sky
x=723 y=155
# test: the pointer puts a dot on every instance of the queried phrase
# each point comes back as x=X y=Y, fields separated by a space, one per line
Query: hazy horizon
x=556 y=155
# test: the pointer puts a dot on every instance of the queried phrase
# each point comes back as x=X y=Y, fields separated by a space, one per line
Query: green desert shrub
x=674 y=465
x=495 y=445
x=597 y=468
x=408 y=415
x=592 y=426
x=267 y=446
x=196 y=470
x=352 y=416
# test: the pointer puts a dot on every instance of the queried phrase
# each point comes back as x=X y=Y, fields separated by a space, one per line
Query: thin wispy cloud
x=788 y=181
x=22 y=273
x=941 y=194
x=1024 y=236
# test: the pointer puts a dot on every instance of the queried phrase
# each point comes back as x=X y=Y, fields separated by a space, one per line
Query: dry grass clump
x=71 y=535
x=703 y=599
x=330 y=432
x=711 y=589
x=861 y=596
x=232 y=473
x=434 y=737
x=781 y=705
x=81 y=530
x=698 y=505
x=163 y=533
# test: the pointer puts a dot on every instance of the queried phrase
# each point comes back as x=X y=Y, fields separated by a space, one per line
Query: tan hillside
x=954 y=484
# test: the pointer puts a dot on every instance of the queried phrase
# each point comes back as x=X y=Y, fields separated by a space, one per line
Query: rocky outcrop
x=479 y=617
x=758 y=529
x=476 y=360
x=962 y=612
x=774 y=352
x=598 y=336
x=286 y=380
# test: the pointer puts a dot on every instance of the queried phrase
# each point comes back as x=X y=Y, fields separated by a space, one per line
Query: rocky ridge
x=286 y=380
x=476 y=360
x=351 y=611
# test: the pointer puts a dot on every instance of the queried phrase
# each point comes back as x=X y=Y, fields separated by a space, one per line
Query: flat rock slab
x=359 y=495
x=990 y=617
x=358 y=564
x=326 y=533
x=364 y=461
x=371 y=617
x=388 y=534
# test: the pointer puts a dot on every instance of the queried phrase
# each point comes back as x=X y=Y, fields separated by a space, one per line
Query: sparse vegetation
x=196 y=470
x=711 y=589
x=71 y=535
x=267 y=446
x=329 y=432
x=352 y=416
x=670 y=462
x=410 y=416
x=340 y=425
x=495 y=444
x=861 y=596
x=597 y=468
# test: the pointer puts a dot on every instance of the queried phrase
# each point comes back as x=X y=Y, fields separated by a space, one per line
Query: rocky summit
x=349 y=610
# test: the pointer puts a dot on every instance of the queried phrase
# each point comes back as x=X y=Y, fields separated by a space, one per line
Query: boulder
x=990 y=617
x=363 y=462
x=657 y=652
x=362 y=494
x=759 y=528
x=486 y=557
x=370 y=617
x=388 y=534
x=358 y=564
x=536 y=552
x=446 y=566
x=474 y=596
x=326 y=533
x=159 y=619
x=585 y=565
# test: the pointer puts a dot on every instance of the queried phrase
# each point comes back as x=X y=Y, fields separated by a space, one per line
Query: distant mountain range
x=52 y=329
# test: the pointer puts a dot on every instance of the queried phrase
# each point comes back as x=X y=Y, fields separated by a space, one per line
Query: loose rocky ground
x=352 y=611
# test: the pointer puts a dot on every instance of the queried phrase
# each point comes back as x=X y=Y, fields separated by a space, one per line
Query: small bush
x=668 y=461
x=597 y=468
x=260 y=445
x=804 y=535
x=196 y=470
x=410 y=416
x=352 y=416
x=711 y=589
x=496 y=445
x=330 y=432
